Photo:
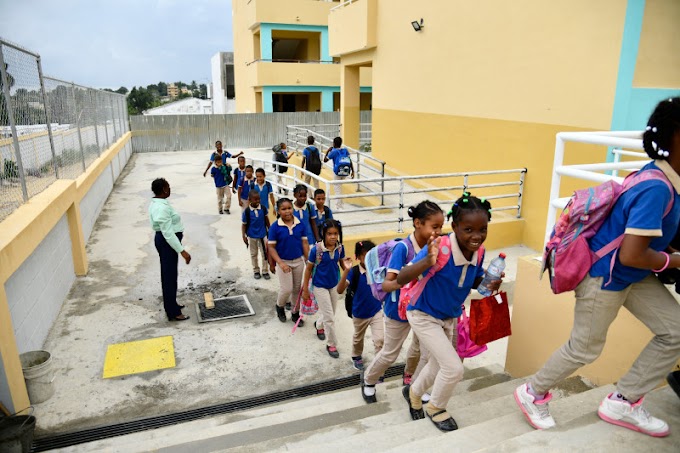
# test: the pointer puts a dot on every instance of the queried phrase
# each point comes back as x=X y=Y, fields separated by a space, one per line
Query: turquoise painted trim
x=268 y=27
x=641 y=104
x=327 y=100
x=265 y=43
x=630 y=43
x=267 y=100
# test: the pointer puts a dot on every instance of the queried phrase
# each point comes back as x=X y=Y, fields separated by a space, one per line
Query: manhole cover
x=225 y=308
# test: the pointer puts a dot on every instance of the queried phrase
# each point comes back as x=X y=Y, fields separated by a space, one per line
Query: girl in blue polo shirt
x=305 y=213
x=432 y=316
x=287 y=248
x=640 y=214
x=428 y=220
x=366 y=310
x=326 y=256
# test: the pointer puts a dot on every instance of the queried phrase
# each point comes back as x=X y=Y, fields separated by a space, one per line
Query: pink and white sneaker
x=535 y=411
x=632 y=416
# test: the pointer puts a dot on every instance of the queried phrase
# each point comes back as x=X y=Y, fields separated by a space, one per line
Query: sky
x=113 y=43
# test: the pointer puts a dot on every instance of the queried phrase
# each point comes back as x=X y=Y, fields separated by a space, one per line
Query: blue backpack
x=377 y=260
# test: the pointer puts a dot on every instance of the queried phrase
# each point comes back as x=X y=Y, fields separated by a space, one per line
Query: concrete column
x=75 y=228
x=9 y=354
x=267 y=100
x=349 y=105
x=325 y=55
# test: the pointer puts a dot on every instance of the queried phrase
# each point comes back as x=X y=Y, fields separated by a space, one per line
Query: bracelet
x=668 y=260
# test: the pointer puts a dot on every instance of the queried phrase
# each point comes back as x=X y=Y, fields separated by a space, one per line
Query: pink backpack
x=567 y=255
x=410 y=292
x=465 y=347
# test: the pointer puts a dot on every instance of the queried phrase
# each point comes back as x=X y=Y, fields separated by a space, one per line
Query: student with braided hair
x=433 y=314
x=428 y=220
x=640 y=216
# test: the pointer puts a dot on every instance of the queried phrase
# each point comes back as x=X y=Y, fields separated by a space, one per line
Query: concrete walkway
x=119 y=301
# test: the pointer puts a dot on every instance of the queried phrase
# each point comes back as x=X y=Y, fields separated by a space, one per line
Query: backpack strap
x=247 y=218
x=480 y=255
x=354 y=283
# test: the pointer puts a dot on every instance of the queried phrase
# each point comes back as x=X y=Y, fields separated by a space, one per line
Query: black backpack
x=352 y=289
x=280 y=157
x=313 y=162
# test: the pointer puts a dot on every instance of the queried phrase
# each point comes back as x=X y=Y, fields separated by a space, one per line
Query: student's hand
x=285 y=268
x=186 y=256
x=205 y=173
x=234 y=191
x=272 y=269
x=348 y=262
x=432 y=250
x=305 y=294
x=495 y=285
x=245 y=240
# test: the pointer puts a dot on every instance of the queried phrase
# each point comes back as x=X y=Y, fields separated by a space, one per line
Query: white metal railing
x=396 y=196
x=343 y=4
x=622 y=142
x=366 y=167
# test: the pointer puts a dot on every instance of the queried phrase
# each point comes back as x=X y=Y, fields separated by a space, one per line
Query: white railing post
x=555 y=185
x=400 y=228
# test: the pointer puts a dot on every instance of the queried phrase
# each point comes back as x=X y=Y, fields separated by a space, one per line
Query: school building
x=282 y=61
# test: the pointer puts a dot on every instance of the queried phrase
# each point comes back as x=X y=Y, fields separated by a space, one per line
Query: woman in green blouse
x=169 y=231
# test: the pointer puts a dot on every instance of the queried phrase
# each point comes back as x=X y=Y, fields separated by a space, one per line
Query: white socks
x=369 y=390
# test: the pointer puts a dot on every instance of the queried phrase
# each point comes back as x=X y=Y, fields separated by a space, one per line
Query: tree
x=196 y=93
x=204 y=91
x=122 y=90
x=193 y=85
x=139 y=100
x=183 y=95
x=109 y=90
x=162 y=88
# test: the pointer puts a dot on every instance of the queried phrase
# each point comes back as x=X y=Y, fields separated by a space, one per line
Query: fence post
x=400 y=228
x=465 y=183
x=80 y=136
x=12 y=124
x=357 y=175
x=382 y=185
x=106 y=126
x=113 y=119
x=48 y=118
x=93 y=101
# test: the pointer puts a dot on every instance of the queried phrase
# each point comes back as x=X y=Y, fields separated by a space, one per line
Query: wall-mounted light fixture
x=417 y=26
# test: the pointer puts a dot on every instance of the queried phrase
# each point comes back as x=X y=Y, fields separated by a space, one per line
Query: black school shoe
x=446 y=425
x=281 y=313
x=295 y=316
x=369 y=399
x=416 y=414
x=674 y=381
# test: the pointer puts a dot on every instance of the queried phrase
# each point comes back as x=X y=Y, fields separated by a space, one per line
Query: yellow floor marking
x=139 y=356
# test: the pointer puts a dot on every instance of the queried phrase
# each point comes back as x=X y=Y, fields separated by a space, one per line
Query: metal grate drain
x=225 y=308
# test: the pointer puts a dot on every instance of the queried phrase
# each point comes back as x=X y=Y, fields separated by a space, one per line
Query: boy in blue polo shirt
x=264 y=188
x=219 y=152
x=254 y=230
x=342 y=165
x=222 y=177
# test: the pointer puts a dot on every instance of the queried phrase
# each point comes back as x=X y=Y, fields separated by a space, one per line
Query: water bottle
x=493 y=272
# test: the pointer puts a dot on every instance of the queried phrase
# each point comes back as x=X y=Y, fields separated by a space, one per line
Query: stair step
x=589 y=433
x=260 y=418
x=571 y=401
x=386 y=427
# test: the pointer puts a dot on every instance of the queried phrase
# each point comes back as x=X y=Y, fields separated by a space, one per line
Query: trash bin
x=16 y=433
x=38 y=374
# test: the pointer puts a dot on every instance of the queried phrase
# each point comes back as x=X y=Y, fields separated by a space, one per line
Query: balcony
x=298 y=72
x=300 y=12
x=352 y=27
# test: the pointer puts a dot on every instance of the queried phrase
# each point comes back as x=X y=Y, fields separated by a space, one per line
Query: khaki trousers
x=425 y=356
x=377 y=326
x=595 y=310
x=255 y=246
x=395 y=334
x=444 y=369
x=221 y=193
x=327 y=299
x=289 y=283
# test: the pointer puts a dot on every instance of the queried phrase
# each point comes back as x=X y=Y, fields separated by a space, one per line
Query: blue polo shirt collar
x=281 y=223
x=667 y=170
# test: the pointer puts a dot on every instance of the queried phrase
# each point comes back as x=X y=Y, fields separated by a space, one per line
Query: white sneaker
x=536 y=411
x=632 y=416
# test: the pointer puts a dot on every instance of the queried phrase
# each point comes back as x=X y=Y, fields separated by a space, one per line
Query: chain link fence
x=49 y=128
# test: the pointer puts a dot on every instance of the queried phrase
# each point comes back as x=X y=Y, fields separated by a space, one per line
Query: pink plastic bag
x=465 y=346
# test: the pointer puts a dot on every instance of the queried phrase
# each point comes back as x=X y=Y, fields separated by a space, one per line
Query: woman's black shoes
x=416 y=414
x=369 y=399
x=179 y=318
x=294 y=317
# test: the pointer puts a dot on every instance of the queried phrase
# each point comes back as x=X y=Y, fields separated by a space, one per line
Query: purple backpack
x=376 y=262
x=567 y=255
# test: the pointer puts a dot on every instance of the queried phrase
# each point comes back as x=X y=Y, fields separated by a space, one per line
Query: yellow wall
x=24 y=230
x=362 y=33
x=658 y=61
x=527 y=60
x=301 y=12
x=455 y=143
x=244 y=52
x=537 y=313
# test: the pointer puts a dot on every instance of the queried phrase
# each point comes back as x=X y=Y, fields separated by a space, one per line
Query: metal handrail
x=591 y=172
x=285 y=181
x=298 y=142
x=342 y=5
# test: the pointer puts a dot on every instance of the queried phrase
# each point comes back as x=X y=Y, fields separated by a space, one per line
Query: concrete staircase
x=483 y=406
